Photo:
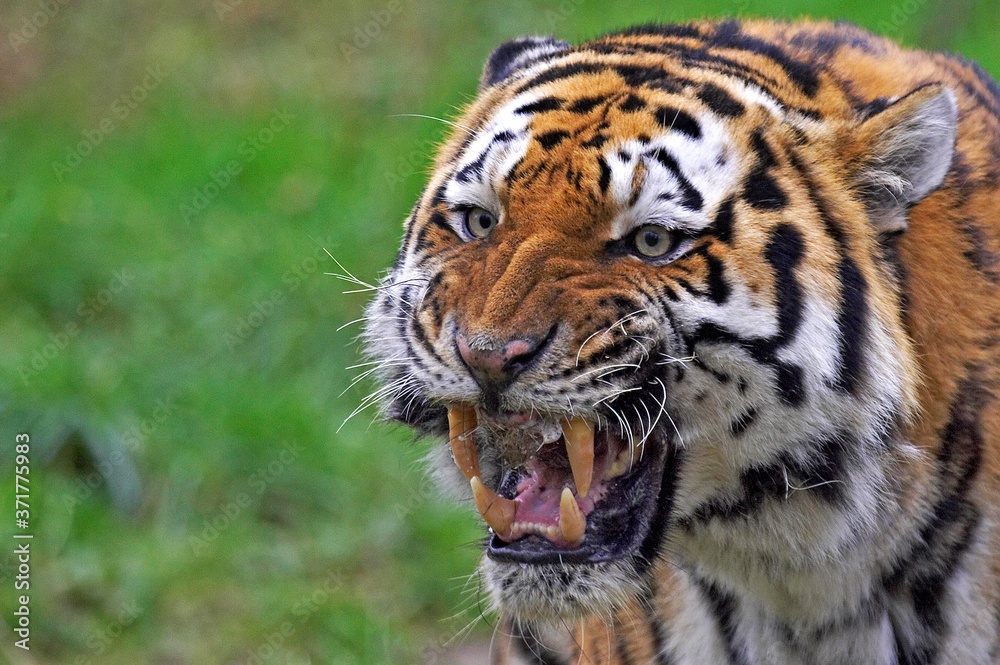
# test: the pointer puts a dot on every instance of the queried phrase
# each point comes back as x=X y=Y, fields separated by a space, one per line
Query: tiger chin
x=706 y=321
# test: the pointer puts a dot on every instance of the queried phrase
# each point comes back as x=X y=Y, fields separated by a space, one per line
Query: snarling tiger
x=706 y=319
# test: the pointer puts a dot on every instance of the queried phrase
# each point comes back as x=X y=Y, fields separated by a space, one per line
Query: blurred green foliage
x=172 y=176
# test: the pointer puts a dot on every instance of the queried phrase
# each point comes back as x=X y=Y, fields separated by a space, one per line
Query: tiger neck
x=807 y=535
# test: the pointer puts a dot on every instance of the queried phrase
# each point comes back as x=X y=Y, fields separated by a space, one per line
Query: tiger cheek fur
x=707 y=319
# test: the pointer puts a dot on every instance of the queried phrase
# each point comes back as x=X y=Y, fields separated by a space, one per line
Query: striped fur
x=823 y=340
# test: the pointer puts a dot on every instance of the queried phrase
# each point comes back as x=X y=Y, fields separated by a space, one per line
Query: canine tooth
x=496 y=510
x=572 y=522
x=461 y=423
x=626 y=458
x=617 y=468
x=579 y=437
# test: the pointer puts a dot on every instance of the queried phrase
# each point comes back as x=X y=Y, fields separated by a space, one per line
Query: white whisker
x=432 y=117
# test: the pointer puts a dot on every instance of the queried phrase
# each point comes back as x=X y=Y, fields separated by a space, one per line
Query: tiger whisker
x=789 y=487
x=396 y=386
x=671 y=359
x=605 y=331
x=377 y=362
x=432 y=117
x=606 y=368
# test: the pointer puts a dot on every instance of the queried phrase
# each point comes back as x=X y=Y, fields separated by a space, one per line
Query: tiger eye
x=653 y=241
x=480 y=222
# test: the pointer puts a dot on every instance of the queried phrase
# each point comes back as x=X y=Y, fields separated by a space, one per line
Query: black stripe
x=723 y=608
x=439 y=220
x=540 y=106
x=867 y=615
x=605 y=178
x=924 y=576
x=560 y=72
x=689 y=287
x=789 y=377
x=585 y=104
x=790 y=384
x=820 y=475
x=690 y=197
x=700 y=58
x=681 y=30
x=637 y=76
x=473 y=168
x=654 y=542
x=802 y=74
x=634 y=75
x=678 y=120
x=407 y=235
x=853 y=315
x=720 y=101
x=724 y=222
x=439 y=195
x=416 y=411
x=718 y=287
x=784 y=253
x=657 y=631
x=739 y=426
x=721 y=377
x=829 y=223
x=422 y=241
x=765 y=155
x=622 y=649
x=761 y=190
x=632 y=104
x=852 y=322
x=421 y=335
x=549 y=140
x=597 y=141
x=708 y=55
x=978 y=252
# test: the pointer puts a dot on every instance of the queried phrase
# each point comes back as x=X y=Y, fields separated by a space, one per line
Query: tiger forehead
x=598 y=147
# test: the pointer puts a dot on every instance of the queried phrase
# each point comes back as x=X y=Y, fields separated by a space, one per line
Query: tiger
x=703 y=320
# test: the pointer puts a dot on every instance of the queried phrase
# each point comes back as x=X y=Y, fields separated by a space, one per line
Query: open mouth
x=570 y=491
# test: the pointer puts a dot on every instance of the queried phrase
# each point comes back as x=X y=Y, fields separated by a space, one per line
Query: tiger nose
x=494 y=364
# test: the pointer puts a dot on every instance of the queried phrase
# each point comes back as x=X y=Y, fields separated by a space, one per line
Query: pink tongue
x=538 y=497
x=539 y=491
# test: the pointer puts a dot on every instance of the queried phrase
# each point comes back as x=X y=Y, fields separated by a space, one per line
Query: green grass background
x=177 y=353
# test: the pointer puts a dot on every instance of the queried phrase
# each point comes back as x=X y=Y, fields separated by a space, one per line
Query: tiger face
x=640 y=282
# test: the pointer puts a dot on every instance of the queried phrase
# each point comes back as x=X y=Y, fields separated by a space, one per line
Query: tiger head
x=641 y=270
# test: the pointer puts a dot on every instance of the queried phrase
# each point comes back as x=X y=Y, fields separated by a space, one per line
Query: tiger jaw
x=500 y=513
x=570 y=491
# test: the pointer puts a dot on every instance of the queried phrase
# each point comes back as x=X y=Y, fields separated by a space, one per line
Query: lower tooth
x=572 y=522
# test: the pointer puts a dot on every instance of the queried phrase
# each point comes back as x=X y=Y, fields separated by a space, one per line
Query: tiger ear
x=516 y=54
x=903 y=153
